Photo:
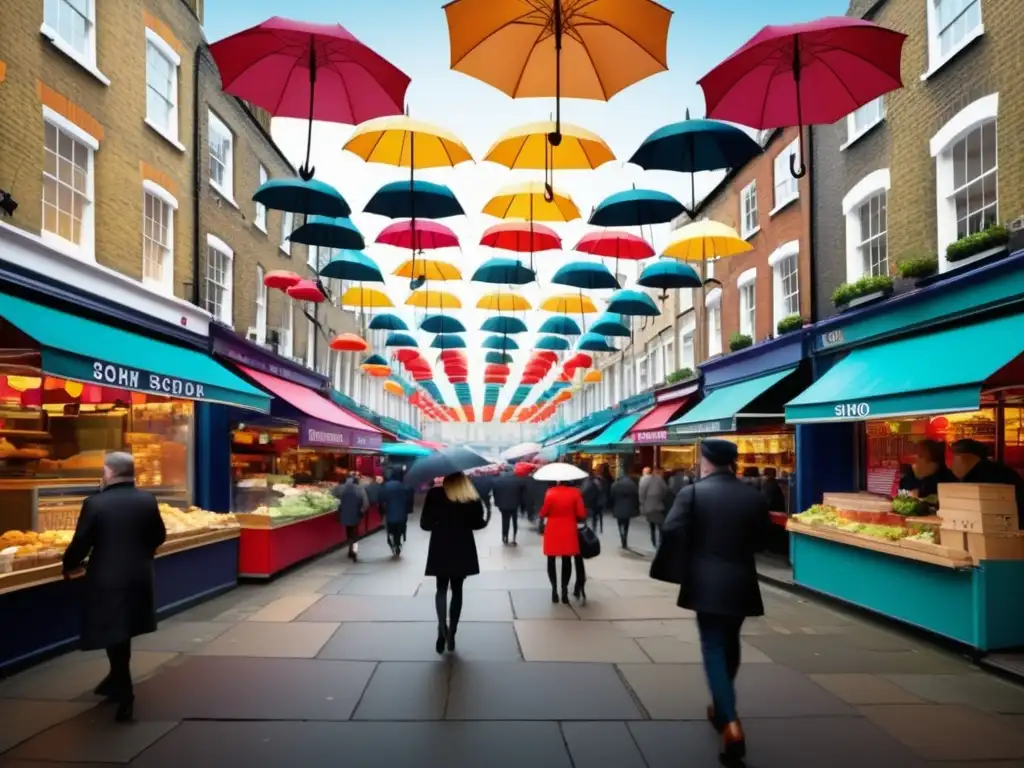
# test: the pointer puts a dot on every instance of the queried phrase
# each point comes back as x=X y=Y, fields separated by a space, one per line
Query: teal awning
x=95 y=353
x=716 y=413
x=404 y=450
x=613 y=438
x=941 y=372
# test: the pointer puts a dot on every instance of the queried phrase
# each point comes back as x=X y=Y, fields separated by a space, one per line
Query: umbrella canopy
x=400 y=339
x=423 y=199
x=352 y=265
x=306 y=290
x=692 y=146
x=615 y=244
x=521 y=451
x=374 y=360
x=610 y=324
x=430 y=299
x=553 y=343
x=503 y=302
x=502 y=271
x=560 y=325
x=450 y=461
x=418 y=235
x=280 y=279
x=705 y=240
x=442 y=324
x=527 y=147
x=669 y=273
x=594 y=342
x=326 y=232
x=428 y=269
x=348 y=342
x=401 y=141
x=558 y=472
x=388 y=322
x=585 y=275
x=569 y=304
x=311 y=197
x=592 y=377
x=504 y=324
x=365 y=298
x=500 y=343
x=528 y=201
x=448 y=341
x=521 y=237
x=404 y=450
x=501 y=358
x=633 y=304
x=636 y=208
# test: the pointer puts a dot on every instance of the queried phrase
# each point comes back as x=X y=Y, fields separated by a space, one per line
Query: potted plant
x=980 y=245
x=739 y=341
x=867 y=289
x=681 y=375
x=790 y=323
x=917 y=266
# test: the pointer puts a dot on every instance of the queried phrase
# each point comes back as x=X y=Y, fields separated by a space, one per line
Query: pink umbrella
x=428 y=234
x=317 y=71
x=615 y=244
x=805 y=74
x=306 y=290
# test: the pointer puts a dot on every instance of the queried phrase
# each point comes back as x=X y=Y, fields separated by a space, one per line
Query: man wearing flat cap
x=710 y=537
x=972 y=465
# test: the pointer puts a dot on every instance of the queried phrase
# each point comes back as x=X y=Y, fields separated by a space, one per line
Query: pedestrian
x=484 y=484
x=396 y=504
x=971 y=465
x=450 y=514
x=372 y=488
x=711 y=535
x=593 y=500
x=625 y=504
x=772 y=490
x=508 y=498
x=352 y=505
x=653 y=495
x=533 y=499
x=118 y=530
x=562 y=510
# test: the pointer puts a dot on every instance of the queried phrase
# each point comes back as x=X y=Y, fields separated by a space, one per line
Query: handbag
x=590 y=545
x=669 y=564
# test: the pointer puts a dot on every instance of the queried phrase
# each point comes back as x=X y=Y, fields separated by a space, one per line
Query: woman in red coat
x=563 y=509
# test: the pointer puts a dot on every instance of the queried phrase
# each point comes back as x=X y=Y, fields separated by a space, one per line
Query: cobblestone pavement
x=334 y=664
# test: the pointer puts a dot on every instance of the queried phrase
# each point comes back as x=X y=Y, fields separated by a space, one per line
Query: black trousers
x=120 y=657
x=566 y=572
x=596 y=519
x=624 y=530
x=509 y=518
x=396 y=534
x=655 y=533
x=448 y=617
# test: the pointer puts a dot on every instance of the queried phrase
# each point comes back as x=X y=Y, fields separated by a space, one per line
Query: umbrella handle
x=800 y=172
x=306 y=171
x=549 y=192
x=555 y=137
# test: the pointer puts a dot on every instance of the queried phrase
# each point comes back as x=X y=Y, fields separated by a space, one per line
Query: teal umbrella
x=442 y=324
x=633 y=304
x=325 y=232
x=386 y=321
x=560 y=325
x=636 y=208
x=501 y=343
x=611 y=324
x=448 y=341
x=667 y=273
x=554 y=343
x=374 y=360
x=504 y=324
x=404 y=450
x=312 y=198
x=419 y=199
x=594 y=342
x=352 y=265
x=585 y=275
x=399 y=339
x=504 y=271
x=499 y=358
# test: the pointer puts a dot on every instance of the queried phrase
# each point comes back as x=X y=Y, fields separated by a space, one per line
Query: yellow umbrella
x=528 y=201
x=704 y=241
x=526 y=147
x=428 y=299
x=569 y=304
x=431 y=269
x=503 y=302
x=593 y=376
x=365 y=298
x=401 y=141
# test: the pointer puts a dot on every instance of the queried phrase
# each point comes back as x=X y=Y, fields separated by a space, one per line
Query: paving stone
x=949 y=732
x=814 y=654
x=382 y=584
x=71 y=676
x=335 y=585
x=297 y=640
x=93 y=737
x=624 y=608
x=181 y=636
x=239 y=601
x=862 y=688
x=286 y=608
x=980 y=691
x=642 y=588
x=346 y=608
x=484 y=605
x=415 y=641
x=601 y=745
x=299 y=584
x=683 y=629
x=590 y=641
x=536 y=604
x=538 y=691
x=20 y=719
x=405 y=691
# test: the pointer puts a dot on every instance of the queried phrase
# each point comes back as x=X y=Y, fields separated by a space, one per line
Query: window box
x=982 y=244
x=917 y=267
x=740 y=341
x=677 y=376
x=864 y=291
x=790 y=323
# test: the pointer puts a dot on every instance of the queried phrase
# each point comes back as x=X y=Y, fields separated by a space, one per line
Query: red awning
x=309 y=402
x=658 y=416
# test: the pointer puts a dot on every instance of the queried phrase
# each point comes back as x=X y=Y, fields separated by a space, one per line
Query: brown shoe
x=734 y=746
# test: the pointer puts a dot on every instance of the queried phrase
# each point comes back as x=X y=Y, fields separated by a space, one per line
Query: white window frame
x=971 y=117
x=260 y=220
x=852 y=133
x=86 y=250
x=782 y=257
x=262 y=298
x=227 y=307
x=287 y=227
x=871 y=185
x=713 y=310
x=286 y=334
x=158 y=46
x=688 y=339
x=746 y=287
x=227 y=189
x=310 y=340
x=151 y=188
x=782 y=176
x=936 y=59
x=749 y=194
x=668 y=348
x=85 y=59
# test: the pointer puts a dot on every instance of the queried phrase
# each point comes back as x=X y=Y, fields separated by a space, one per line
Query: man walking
x=118 y=530
x=653 y=494
x=712 y=533
x=352 y=505
x=484 y=484
x=508 y=498
x=593 y=500
x=396 y=504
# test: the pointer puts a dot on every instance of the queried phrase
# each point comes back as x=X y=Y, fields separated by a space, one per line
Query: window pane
x=873 y=237
x=975 y=178
x=65 y=184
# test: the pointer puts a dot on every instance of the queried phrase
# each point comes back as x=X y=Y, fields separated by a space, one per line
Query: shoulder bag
x=669 y=564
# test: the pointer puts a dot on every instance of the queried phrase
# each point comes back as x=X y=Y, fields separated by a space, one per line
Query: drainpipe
x=810 y=221
x=196 y=173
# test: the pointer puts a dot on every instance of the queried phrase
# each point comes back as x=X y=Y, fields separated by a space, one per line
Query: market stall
x=650 y=430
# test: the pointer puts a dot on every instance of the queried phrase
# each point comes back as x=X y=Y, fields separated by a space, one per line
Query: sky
x=702 y=33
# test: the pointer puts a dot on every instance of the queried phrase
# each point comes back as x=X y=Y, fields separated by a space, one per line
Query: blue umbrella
x=554 y=343
x=503 y=324
x=374 y=360
x=585 y=275
x=442 y=324
x=594 y=342
x=313 y=197
x=560 y=325
x=420 y=199
x=388 y=322
x=636 y=208
x=504 y=271
x=500 y=358
x=399 y=339
x=669 y=273
x=353 y=265
x=501 y=343
x=610 y=324
x=450 y=461
x=326 y=232
x=633 y=304
x=448 y=341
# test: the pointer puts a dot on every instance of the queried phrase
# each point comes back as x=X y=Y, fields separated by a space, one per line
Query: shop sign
x=367 y=441
x=123 y=377
x=852 y=410
x=702 y=428
x=251 y=356
x=651 y=436
x=321 y=434
x=831 y=339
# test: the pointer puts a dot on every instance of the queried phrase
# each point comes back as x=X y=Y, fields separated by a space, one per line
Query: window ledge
x=159 y=287
x=751 y=233
x=224 y=194
x=858 y=136
x=54 y=38
x=784 y=204
x=973 y=35
x=165 y=135
x=67 y=247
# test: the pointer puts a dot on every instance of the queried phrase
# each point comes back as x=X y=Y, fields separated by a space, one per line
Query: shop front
x=562 y=443
x=943 y=363
x=650 y=434
x=611 y=446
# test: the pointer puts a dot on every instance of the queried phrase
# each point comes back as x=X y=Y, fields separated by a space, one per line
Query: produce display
x=830 y=517
x=910 y=506
x=297 y=502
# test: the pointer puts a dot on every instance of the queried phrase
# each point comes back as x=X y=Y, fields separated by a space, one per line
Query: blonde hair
x=460 y=489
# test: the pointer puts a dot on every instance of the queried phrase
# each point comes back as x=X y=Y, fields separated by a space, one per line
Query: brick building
x=912 y=172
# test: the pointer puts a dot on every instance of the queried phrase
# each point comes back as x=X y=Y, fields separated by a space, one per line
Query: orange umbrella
x=349 y=342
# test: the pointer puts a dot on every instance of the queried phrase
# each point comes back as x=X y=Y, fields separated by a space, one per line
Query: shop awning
x=651 y=427
x=717 y=412
x=941 y=372
x=405 y=450
x=84 y=350
x=612 y=437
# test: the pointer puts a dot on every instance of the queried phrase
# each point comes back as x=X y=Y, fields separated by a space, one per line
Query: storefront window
x=1013 y=439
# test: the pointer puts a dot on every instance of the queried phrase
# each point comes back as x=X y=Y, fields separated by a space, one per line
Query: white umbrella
x=520 y=451
x=559 y=472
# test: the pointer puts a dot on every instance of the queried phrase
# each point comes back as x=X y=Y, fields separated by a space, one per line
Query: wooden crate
x=977 y=521
x=996 y=546
x=974 y=492
x=857 y=502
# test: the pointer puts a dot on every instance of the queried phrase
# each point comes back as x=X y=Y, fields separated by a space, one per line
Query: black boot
x=451 y=639
x=125 y=710
x=442 y=638
x=105 y=688
x=554 y=595
x=565 y=594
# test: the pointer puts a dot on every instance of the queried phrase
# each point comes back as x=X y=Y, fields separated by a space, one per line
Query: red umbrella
x=615 y=244
x=496 y=369
x=545 y=354
x=315 y=71
x=428 y=235
x=280 y=279
x=805 y=74
x=521 y=237
x=407 y=355
x=306 y=290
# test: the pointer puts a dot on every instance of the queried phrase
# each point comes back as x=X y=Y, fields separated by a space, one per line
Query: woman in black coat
x=625 y=505
x=451 y=513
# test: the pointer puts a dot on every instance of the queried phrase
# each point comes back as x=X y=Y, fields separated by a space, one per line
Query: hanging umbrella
x=502 y=271
x=418 y=235
x=636 y=208
x=428 y=269
x=311 y=197
x=498 y=357
x=592 y=377
x=326 y=232
x=352 y=265
x=364 y=298
x=401 y=141
x=374 y=360
x=705 y=240
x=399 y=339
x=667 y=274
x=424 y=199
x=560 y=325
x=521 y=237
x=500 y=343
x=611 y=324
x=442 y=324
x=527 y=200
x=306 y=290
x=500 y=301
x=568 y=304
x=448 y=341
x=522 y=48
x=554 y=343
x=504 y=325
x=313 y=71
x=430 y=299
x=594 y=342
x=388 y=322
x=615 y=244
x=348 y=342
x=450 y=461
x=409 y=357
x=585 y=275
x=633 y=304
x=280 y=279
x=805 y=74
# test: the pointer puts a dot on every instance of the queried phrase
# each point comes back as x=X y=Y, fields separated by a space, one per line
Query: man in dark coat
x=772 y=491
x=373 y=490
x=352 y=505
x=508 y=498
x=119 y=530
x=713 y=531
x=972 y=465
x=625 y=504
x=484 y=484
x=593 y=500
x=395 y=504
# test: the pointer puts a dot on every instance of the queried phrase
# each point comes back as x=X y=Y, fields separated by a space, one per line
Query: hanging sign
x=314 y=433
x=650 y=436
x=714 y=427
x=137 y=380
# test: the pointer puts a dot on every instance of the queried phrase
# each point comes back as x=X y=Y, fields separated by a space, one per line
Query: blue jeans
x=720 y=647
